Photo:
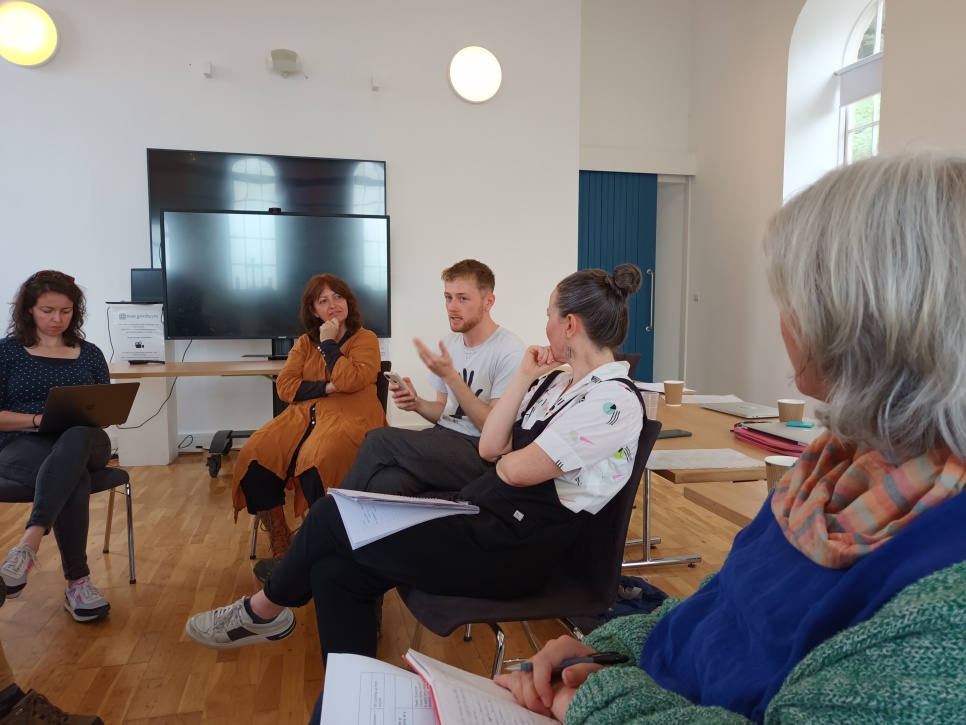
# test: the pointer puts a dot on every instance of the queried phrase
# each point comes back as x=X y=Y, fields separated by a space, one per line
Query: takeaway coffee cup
x=673 y=390
x=775 y=467
x=790 y=409
x=650 y=404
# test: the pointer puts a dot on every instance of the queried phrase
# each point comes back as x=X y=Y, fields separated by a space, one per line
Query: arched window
x=861 y=75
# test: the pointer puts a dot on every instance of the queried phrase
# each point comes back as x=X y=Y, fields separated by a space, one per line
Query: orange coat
x=342 y=418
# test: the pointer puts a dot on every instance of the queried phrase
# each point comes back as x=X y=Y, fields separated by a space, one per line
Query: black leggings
x=57 y=468
x=483 y=555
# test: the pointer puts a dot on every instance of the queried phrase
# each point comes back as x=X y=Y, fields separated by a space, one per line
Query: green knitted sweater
x=905 y=664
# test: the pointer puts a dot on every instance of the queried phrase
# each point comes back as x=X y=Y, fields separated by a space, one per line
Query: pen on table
x=599 y=658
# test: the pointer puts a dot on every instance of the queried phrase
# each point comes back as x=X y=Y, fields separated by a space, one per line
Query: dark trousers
x=412 y=462
x=483 y=555
x=56 y=467
x=264 y=490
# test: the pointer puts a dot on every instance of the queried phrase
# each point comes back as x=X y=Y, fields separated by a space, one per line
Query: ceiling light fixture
x=475 y=74
x=28 y=36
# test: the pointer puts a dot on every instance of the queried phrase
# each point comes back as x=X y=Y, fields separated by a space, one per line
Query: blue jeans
x=56 y=467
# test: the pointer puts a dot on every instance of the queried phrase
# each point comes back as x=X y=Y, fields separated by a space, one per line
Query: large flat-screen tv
x=239 y=275
x=201 y=180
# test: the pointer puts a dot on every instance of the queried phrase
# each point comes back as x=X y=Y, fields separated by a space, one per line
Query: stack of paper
x=371 y=516
x=701 y=458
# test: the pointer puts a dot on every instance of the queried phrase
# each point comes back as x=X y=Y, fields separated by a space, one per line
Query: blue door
x=618 y=223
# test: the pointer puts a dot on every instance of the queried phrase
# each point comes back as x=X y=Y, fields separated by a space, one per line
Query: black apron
x=532 y=516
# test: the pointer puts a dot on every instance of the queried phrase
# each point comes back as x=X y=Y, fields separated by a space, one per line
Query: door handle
x=650 y=326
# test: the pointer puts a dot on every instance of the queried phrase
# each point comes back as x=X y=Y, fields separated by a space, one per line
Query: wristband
x=33 y=421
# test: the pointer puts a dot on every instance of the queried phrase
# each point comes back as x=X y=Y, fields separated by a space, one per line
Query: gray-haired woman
x=845 y=599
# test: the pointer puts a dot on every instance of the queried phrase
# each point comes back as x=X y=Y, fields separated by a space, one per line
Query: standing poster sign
x=137 y=331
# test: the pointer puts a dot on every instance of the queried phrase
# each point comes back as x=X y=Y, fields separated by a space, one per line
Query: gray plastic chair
x=107 y=479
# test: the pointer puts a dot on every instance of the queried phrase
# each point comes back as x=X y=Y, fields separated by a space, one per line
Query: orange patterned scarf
x=838 y=504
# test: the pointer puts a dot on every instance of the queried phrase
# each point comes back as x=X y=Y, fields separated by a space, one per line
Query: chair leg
x=110 y=518
x=417 y=636
x=130 y=532
x=529 y=632
x=254 y=537
x=468 y=633
x=500 y=649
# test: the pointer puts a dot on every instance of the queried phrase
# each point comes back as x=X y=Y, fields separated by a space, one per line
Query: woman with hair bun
x=547 y=483
x=844 y=601
x=45 y=348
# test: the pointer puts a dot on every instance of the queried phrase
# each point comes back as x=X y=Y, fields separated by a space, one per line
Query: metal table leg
x=689 y=559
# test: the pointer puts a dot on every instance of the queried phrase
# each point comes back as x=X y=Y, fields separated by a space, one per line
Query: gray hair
x=600 y=301
x=868 y=265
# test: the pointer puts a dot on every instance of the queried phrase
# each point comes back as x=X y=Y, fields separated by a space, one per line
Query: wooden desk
x=739 y=501
x=121 y=371
x=155 y=441
x=709 y=429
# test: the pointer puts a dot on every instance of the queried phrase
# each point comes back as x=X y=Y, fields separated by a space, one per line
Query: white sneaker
x=230 y=626
x=84 y=602
x=15 y=568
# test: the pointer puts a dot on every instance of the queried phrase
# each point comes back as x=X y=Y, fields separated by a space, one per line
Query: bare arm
x=407 y=399
x=10 y=421
x=442 y=365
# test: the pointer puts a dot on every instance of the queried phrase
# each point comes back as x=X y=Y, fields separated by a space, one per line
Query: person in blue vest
x=844 y=600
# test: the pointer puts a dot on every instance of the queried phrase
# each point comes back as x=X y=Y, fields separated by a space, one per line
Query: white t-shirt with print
x=593 y=439
x=487 y=369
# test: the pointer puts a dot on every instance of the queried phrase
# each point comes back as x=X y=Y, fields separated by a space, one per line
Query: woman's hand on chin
x=538 y=360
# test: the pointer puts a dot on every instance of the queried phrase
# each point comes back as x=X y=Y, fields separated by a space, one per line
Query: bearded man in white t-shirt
x=469 y=371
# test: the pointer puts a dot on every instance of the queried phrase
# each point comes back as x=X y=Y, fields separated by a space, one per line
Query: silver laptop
x=744 y=410
x=97 y=406
x=793 y=434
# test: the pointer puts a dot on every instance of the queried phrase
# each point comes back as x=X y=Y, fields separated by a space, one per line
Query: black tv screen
x=239 y=275
x=201 y=180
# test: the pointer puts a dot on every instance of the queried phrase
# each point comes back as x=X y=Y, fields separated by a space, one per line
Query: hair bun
x=626 y=279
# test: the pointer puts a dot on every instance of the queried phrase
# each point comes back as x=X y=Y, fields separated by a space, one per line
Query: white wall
x=923 y=104
x=739 y=70
x=495 y=181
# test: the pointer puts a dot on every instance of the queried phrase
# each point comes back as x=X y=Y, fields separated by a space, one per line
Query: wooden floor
x=138 y=666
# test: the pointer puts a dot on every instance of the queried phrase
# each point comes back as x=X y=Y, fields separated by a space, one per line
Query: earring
x=569 y=352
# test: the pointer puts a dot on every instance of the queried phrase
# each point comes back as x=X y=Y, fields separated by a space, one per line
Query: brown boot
x=273 y=522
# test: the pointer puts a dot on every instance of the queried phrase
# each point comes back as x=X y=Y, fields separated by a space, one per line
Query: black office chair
x=107 y=479
x=584 y=584
x=382 y=392
x=631 y=358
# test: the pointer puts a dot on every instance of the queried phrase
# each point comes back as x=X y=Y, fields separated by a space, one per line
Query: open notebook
x=361 y=690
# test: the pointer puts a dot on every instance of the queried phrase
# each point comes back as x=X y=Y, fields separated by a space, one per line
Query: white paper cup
x=775 y=467
x=673 y=391
x=790 y=409
x=650 y=404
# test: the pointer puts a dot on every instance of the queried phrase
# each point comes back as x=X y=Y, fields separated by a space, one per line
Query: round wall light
x=475 y=74
x=27 y=34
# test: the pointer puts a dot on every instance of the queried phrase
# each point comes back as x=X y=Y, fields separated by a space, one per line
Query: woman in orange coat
x=329 y=382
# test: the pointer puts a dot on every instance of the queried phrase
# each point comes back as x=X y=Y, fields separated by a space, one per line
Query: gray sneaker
x=228 y=627
x=264 y=567
x=84 y=601
x=15 y=568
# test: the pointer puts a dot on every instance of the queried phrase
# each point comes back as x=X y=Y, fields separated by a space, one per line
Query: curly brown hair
x=22 y=326
x=313 y=289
